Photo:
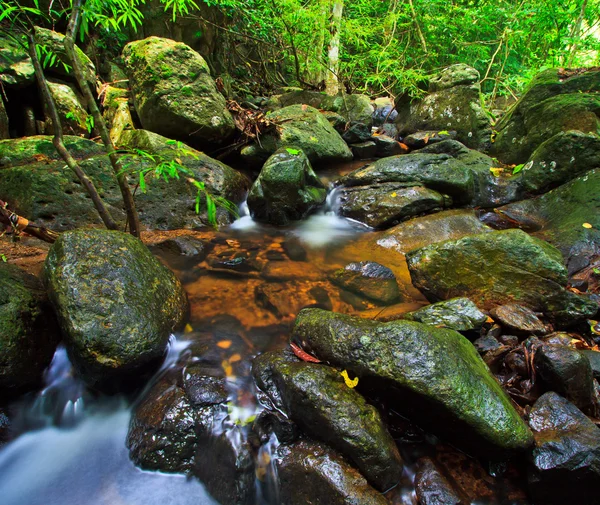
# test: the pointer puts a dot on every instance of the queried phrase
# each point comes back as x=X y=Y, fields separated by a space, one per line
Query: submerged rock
x=315 y=474
x=174 y=93
x=437 y=377
x=459 y=314
x=287 y=189
x=28 y=331
x=368 y=279
x=116 y=304
x=497 y=268
x=300 y=127
x=316 y=398
x=433 y=488
x=566 y=460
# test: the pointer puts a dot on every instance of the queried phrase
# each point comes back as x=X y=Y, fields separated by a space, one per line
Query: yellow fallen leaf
x=496 y=171
x=188 y=328
x=394 y=194
x=351 y=383
x=227 y=368
x=224 y=344
x=587 y=225
x=235 y=358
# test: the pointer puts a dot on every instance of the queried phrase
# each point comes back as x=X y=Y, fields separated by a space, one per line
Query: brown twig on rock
x=21 y=224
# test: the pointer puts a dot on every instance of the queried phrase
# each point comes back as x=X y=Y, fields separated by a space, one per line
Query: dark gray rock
x=287 y=189
x=387 y=146
x=436 y=376
x=368 y=279
x=364 y=150
x=459 y=314
x=486 y=343
x=28 y=331
x=567 y=372
x=316 y=398
x=594 y=359
x=565 y=465
x=116 y=304
x=433 y=488
x=519 y=319
x=418 y=140
x=357 y=132
x=315 y=474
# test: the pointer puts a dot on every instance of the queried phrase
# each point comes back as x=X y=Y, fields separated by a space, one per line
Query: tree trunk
x=332 y=81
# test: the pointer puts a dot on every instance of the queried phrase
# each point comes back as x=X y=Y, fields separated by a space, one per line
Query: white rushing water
x=78 y=454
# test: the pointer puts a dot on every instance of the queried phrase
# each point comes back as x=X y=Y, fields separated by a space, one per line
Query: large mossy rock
x=436 y=376
x=453 y=103
x=28 y=331
x=316 y=398
x=287 y=189
x=497 y=268
x=555 y=101
x=559 y=215
x=300 y=127
x=174 y=93
x=565 y=466
x=16 y=69
x=71 y=112
x=313 y=473
x=116 y=304
x=560 y=159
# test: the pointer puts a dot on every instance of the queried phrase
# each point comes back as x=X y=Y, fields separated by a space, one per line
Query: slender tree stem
x=99 y=123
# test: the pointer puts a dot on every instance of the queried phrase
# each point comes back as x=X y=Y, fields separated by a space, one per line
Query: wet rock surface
x=428 y=368
x=368 y=279
x=496 y=268
x=433 y=488
x=517 y=318
x=28 y=331
x=459 y=314
x=565 y=465
x=311 y=473
x=116 y=303
x=316 y=398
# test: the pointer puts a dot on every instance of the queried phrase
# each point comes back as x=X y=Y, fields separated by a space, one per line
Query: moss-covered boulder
x=556 y=100
x=287 y=189
x=116 y=304
x=316 y=398
x=453 y=103
x=300 y=127
x=28 y=331
x=435 y=375
x=559 y=217
x=174 y=93
x=313 y=473
x=16 y=68
x=116 y=113
x=497 y=268
x=459 y=314
x=560 y=159
x=71 y=112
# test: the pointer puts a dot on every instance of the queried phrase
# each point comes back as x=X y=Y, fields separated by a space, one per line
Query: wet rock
x=368 y=279
x=16 y=68
x=273 y=421
x=453 y=103
x=560 y=159
x=356 y=132
x=418 y=140
x=5 y=425
x=28 y=331
x=566 y=460
x=558 y=338
x=594 y=359
x=518 y=318
x=203 y=390
x=429 y=370
x=509 y=340
x=287 y=189
x=384 y=111
x=487 y=343
x=364 y=150
x=300 y=127
x=190 y=247
x=174 y=93
x=385 y=204
x=459 y=314
x=316 y=398
x=311 y=473
x=558 y=216
x=433 y=488
x=388 y=146
x=426 y=230
x=499 y=267
x=567 y=372
x=116 y=304
x=554 y=102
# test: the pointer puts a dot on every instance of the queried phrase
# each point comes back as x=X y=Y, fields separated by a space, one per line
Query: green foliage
x=3 y=258
x=292 y=151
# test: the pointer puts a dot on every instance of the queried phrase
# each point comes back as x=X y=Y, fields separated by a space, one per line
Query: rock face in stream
x=116 y=304
x=28 y=331
x=315 y=397
x=556 y=101
x=315 y=474
x=174 y=93
x=497 y=268
x=459 y=314
x=300 y=127
x=437 y=376
x=368 y=279
x=287 y=189
x=566 y=460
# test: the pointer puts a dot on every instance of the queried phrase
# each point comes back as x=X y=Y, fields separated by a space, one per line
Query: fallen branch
x=20 y=224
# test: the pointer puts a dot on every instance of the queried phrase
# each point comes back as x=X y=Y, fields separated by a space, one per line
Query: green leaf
x=518 y=168
x=292 y=151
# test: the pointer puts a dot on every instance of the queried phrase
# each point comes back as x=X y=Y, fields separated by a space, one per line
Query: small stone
x=364 y=150
x=518 y=318
x=433 y=488
x=419 y=140
x=486 y=344
x=368 y=279
x=594 y=359
x=459 y=314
